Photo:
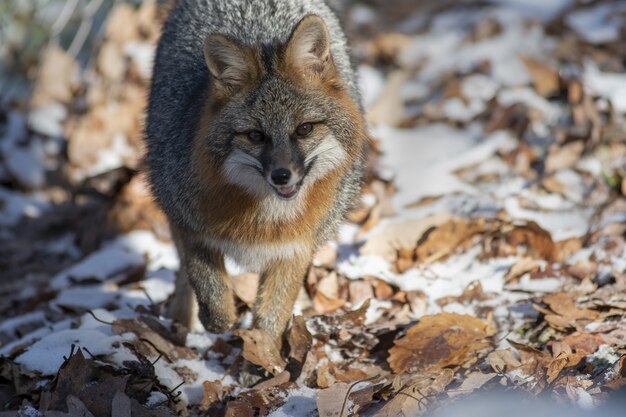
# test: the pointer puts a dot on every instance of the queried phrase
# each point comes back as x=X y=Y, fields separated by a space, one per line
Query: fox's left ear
x=308 y=49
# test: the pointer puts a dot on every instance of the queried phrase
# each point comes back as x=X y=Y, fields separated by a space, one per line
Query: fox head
x=280 y=117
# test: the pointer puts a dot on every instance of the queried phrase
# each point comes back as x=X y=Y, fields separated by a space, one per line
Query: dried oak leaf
x=260 y=349
x=58 y=79
x=503 y=360
x=211 y=393
x=332 y=400
x=151 y=339
x=440 y=241
x=441 y=340
x=564 y=312
x=299 y=339
x=545 y=78
x=412 y=398
x=471 y=383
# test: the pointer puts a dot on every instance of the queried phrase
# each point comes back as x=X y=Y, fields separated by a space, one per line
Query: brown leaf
x=280 y=379
x=441 y=241
x=245 y=287
x=586 y=343
x=438 y=341
x=212 y=393
x=503 y=360
x=299 y=339
x=412 y=399
x=472 y=382
x=331 y=400
x=536 y=239
x=120 y=406
x=545 y=78
x=135 y=209
x=151 y=339
x=121 y=26
x=556 y=366
x=360 y=291
x=522 y=267
x=563 y=156
x=260 y=349
x=403 y=234
x=566 y=311
x=58 y=79
x=239 y=409
x=326 y=305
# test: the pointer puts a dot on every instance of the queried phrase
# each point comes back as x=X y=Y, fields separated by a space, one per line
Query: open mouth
x=288 y=192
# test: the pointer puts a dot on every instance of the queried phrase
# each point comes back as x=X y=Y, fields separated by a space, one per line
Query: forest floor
x=488 y=254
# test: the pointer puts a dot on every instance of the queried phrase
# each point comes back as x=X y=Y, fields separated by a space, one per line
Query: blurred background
x=495 y=190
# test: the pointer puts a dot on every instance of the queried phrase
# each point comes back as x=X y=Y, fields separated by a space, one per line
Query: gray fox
x=256 y=144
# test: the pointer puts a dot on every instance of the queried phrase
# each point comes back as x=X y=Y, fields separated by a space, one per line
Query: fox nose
x=280 y=176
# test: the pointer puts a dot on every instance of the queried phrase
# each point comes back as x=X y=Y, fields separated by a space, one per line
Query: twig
x=97 y=319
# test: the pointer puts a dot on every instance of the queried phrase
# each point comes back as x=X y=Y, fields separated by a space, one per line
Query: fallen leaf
x=441 y=240
x=260 y=349
x=152 y=338
x=246 y=287
x=402 y=234
x=438 y=341
x=332 y=401
x=120 y=406
x=299 y=340
x=211 y=393
x=522 y=267
x=545 y=78
x=58 y=79
x=413 y=398
x=561 y=157
x=472 y=382
x=503 y=360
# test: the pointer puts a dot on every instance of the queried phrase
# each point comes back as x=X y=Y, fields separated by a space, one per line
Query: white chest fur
x=255 y=258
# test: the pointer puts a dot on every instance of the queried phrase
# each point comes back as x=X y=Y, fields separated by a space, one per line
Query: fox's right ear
x=231 y=65
x=308 y=49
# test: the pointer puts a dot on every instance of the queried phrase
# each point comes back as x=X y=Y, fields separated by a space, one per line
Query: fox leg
x=278 y=290
x=202 y=272
x=183 y=306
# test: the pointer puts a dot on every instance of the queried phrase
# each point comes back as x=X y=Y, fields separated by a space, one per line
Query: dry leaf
x=441 y=240
x=299 y=339
x=538 y=241
x=151 y=341
x=212 y=393
x=472 y=382
x=260 y=349
x=412 y=400
x=522 y=267
x=438 y=341
x=403 y=234
x=331 y=400
x=546 y=79
x=58 y=79
x=503 y=360
x=566 y=312
x=563 y=156
x=245 y=287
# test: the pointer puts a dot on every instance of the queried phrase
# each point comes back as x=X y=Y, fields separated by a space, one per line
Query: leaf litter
x=488 y=251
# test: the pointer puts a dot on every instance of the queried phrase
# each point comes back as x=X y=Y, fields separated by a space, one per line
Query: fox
x=256 y=145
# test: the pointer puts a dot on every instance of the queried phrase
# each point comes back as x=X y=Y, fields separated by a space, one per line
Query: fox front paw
x=215 y=320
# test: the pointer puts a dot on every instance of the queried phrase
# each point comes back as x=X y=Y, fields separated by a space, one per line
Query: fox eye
x=256 y=136
x=304 y=129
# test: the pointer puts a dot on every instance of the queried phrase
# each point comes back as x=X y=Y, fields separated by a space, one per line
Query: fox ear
x=308 y=49
x=231 y=65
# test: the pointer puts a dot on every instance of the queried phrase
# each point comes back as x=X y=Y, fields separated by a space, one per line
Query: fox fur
x=255 y=148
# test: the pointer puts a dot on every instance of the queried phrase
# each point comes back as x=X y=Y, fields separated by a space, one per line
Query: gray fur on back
x=179 y=83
